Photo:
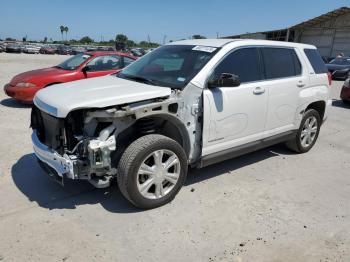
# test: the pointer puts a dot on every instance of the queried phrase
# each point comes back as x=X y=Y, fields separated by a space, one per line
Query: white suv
x=189 y=103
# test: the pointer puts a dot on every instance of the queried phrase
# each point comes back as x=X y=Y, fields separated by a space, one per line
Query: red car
x=345 y=92
x=90 y=64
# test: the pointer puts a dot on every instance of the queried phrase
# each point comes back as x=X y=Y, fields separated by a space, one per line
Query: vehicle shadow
x=9 y=102
x=38 y=187
x=199 y=175
x=340 y=103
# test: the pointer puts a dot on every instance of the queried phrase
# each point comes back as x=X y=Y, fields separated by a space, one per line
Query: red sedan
x=345 y=92
x=91 y=64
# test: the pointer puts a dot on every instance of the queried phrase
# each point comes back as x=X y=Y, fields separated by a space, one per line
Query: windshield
x=340 y=61
x=74 y=62
x=171 y=66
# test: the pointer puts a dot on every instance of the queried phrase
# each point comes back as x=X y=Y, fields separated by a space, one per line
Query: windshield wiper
x=138 y=79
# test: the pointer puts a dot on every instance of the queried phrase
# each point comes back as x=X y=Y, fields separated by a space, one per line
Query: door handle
x=259 y=91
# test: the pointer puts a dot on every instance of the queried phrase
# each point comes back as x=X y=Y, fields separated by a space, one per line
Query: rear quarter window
x=316 y=61
x=280 y=63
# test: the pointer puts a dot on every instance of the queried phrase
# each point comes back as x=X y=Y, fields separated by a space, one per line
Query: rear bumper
x=63 y=166
x=24 y=94
x=326 y=113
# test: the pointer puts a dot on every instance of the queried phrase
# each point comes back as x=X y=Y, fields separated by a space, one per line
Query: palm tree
x=62 y=28
x=66 y=30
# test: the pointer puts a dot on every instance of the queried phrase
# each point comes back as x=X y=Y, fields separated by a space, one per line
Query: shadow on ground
x=199 y=175
x=37 y=186
x=340 y=103
x=9 y=102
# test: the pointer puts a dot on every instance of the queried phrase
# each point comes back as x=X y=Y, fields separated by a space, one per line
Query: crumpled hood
x=30 y=76
x=99 y=92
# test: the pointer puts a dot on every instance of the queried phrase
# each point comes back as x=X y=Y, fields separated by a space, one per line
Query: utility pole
x=164 y=39
x=217 y=34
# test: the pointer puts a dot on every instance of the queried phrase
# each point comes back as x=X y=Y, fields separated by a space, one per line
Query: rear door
x=234 y=116
x=285 y=77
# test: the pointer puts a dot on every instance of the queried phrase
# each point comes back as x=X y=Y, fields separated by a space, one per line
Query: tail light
x=347 y=83
x=329 y=78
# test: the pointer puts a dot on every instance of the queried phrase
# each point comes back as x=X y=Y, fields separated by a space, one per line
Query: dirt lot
x=271 y=205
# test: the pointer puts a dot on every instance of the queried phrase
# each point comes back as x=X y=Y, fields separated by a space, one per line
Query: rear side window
x=280 y=63
x=316 y=61
x=244 y=63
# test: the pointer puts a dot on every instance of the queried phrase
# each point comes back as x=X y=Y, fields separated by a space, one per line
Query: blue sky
x=176 y=19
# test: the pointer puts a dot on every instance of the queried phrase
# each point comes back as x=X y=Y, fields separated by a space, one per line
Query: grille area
x=50 y=130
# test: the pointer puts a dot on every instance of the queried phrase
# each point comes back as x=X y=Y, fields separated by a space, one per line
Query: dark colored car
x=23 y=87
x=339 y=68
x=64 y=50
x=77 y=50
x=48 y=50
x=345 y=92
x=13 y=48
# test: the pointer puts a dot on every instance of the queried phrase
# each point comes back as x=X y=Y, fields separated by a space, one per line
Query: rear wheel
x=307 y=134
x=151 y=171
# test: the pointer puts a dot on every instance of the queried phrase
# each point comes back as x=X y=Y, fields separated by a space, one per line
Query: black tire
x=131 y=161
x=295 y=144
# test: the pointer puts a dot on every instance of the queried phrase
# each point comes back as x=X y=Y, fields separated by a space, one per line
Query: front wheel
x=151 y=171
x=307 y=134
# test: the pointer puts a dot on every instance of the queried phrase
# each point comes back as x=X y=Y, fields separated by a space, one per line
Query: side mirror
x=85 y=69
x=225 y=80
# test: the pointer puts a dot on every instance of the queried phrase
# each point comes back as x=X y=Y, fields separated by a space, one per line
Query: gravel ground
x=270 y=205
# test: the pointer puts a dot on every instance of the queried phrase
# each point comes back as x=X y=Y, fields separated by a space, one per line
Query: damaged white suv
x=189 y=103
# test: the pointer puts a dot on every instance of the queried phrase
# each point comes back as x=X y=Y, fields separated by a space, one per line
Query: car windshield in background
x=171 y=66
x=341 y=61
x=74 y=62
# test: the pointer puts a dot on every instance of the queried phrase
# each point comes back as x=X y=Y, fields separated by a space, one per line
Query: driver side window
x=103 y=63
x=245 y=63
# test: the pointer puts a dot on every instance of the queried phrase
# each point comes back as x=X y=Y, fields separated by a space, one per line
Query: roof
x=242 y=42
x=205 y=42
x=323 y=18
x=101 y=53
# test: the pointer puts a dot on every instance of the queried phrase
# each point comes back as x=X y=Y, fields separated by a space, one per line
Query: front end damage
x=88 y=143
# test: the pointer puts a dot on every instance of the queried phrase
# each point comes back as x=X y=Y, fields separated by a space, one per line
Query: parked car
x=339 y=68
x=345 y=92
x=136 y=52
x=13 y=48
x=48 y=50
x=190 y=103
x=24 y=86
x=64 y=50
x=31 y=49
x=77 y=50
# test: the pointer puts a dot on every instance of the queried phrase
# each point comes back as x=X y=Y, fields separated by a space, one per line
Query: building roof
x=323 y=18
x=310 y=22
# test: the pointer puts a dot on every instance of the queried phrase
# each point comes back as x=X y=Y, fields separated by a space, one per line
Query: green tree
x=86 y=40
x=62 y=28
x=130 y=43
x=120 y=38
x=66 y=30
x=198 y=37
